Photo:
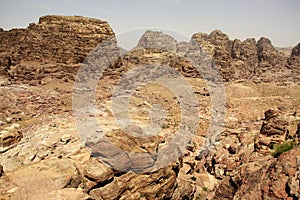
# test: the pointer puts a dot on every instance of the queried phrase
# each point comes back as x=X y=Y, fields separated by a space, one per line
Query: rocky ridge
x=54 y=47
x=246 y=59
x=32 y=54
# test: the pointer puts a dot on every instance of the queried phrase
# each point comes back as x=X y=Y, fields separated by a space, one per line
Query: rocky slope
x=43 y=155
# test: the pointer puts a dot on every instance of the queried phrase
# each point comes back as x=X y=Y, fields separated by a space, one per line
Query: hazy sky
x=277 y=19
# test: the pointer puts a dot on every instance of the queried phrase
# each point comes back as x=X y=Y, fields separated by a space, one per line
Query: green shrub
x=284 y=147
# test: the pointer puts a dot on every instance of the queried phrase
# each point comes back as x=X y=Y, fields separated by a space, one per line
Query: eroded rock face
x=266 y=51
x=276 y=179
x=158 y=185
x=296 y=51
x=10 y=135
x=157 y=40
x=294 y=59
x=55 y=45
x=218 y=45
x=98 y=172
x=273 y=131
x=257 y=61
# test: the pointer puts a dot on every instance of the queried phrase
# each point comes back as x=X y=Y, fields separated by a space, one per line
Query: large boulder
x=273 y=132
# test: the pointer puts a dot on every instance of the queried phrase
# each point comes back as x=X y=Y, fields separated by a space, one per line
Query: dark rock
x=1 y=170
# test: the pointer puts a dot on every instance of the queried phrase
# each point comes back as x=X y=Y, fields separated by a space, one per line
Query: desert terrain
x=50 y=150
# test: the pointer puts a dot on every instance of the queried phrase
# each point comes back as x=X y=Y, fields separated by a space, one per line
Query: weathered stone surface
x=266 y=51
x=296 y=51
x=98 y=172
x=157 y=40
x=277 y=179
x=273 y=132
x=55 y=45
x=38 y=180
x=218 y=45
x=158 y=185
x=294 y=59
x=10 y=135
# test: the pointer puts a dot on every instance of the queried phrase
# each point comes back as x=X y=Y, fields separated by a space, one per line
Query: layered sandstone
x=54 y=47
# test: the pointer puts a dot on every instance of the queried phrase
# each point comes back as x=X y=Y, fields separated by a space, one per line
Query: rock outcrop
x=276 y=179
x=248 y=170
x=266 y=52
x=157 y=40
x=273 y=131
x=294 y=59
x=218 y=45
x=296 y=51
x=257 y=61
x=54 y=47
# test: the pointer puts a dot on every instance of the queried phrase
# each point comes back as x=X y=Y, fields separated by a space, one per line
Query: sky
x=278 y=20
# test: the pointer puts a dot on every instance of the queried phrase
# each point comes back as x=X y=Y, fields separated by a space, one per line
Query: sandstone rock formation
x=294 y=58
x=44 y=157
x=296 y=51
x=276 y=179
x=158 y=40
x=53 y=47
x=249 y=59
x=273 y=131
x=34 y=54
x=257 y=61
x=254 y=173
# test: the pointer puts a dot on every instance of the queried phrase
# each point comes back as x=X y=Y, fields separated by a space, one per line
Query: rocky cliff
x=55 y=46
x=257 y=61
x=294 y=59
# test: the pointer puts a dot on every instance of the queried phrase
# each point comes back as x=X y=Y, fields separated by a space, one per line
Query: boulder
x=273 y=132
x=97 y=171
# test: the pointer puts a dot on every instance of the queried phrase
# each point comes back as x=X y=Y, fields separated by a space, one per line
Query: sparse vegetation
x=193 y=178
x=164 y=126
x=271 y=145
x=284 y=147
